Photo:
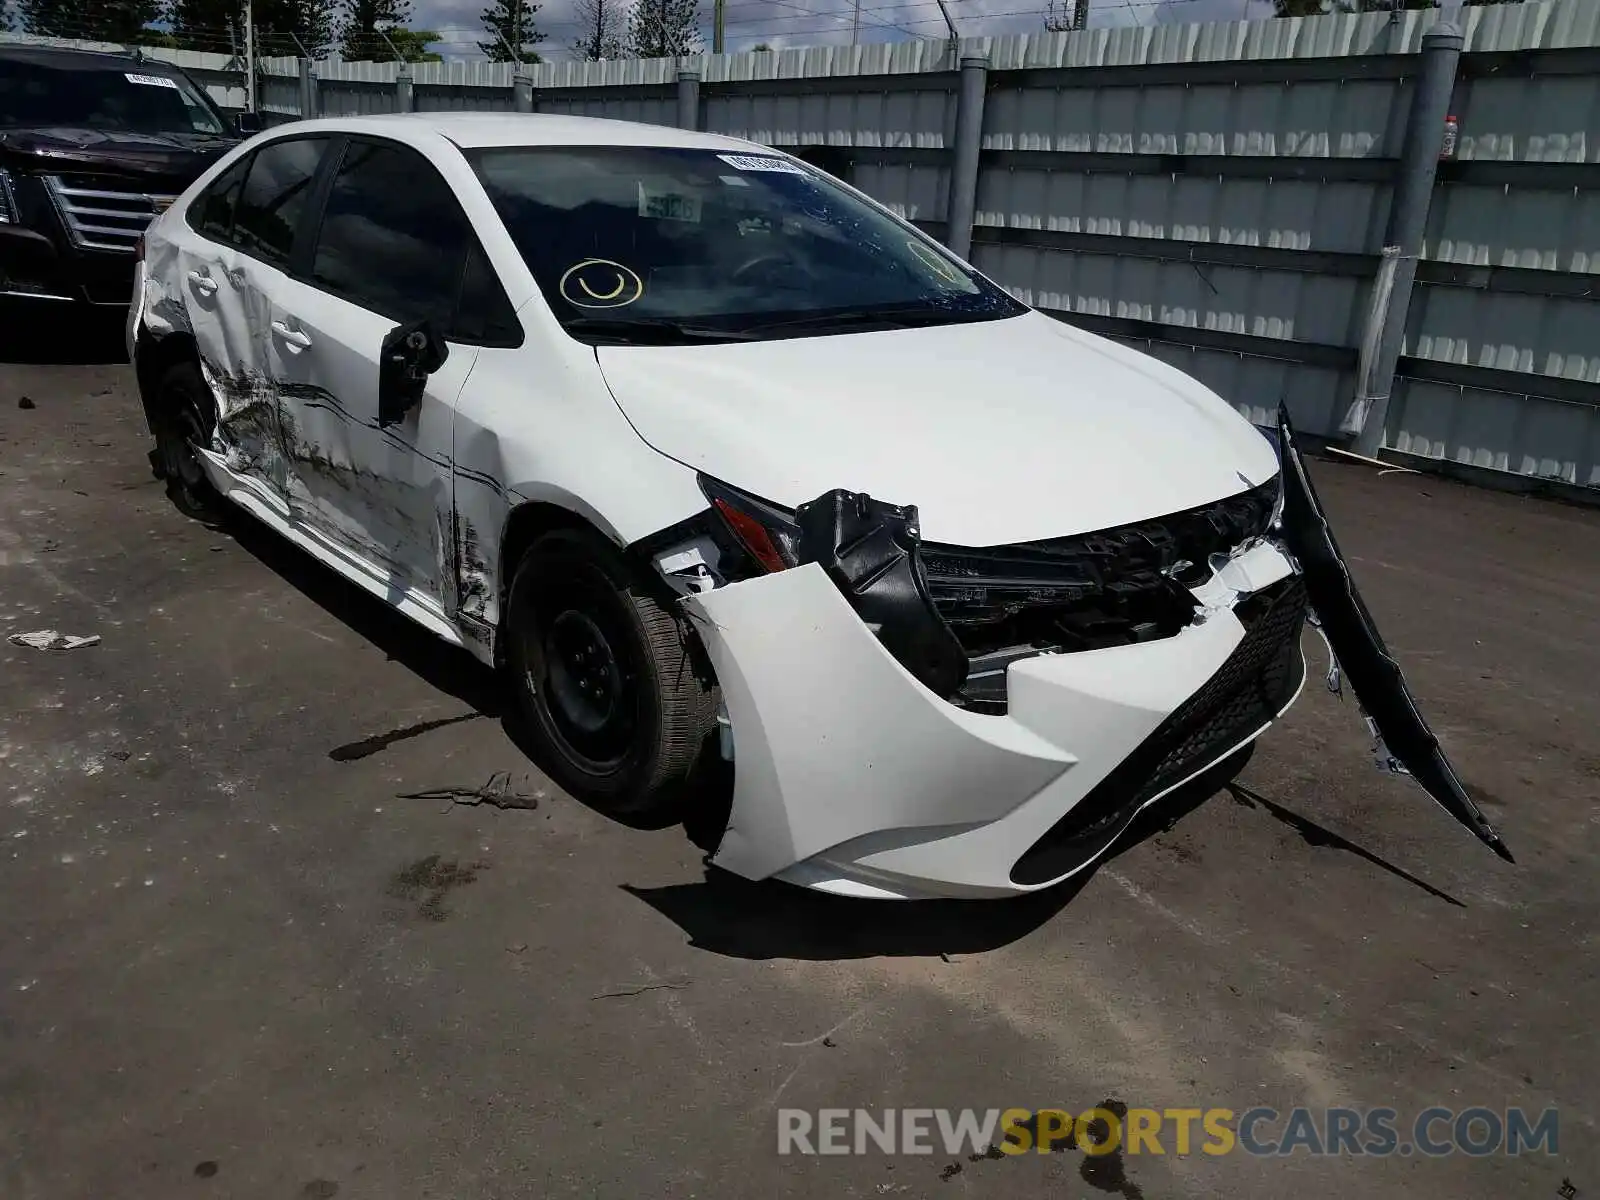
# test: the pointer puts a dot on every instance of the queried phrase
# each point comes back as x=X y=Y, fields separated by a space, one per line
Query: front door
x=389 y=249
x=379 y=494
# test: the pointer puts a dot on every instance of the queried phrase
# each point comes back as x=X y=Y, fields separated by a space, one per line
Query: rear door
x=390 y=249
x=238 y=237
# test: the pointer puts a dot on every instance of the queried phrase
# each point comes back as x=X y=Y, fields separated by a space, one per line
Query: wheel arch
x=153 y=357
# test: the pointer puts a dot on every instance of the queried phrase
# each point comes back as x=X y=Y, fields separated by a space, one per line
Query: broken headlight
x=765 y=533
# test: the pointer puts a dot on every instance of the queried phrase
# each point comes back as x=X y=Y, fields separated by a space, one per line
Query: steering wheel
x=751 y=267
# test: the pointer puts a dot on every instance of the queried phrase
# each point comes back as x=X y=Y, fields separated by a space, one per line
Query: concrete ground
x=234 y=961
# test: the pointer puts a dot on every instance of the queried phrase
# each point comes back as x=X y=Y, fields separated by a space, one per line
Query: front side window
x=683 y=244
x=274 y=197
x=41 y=92
x=393 y=238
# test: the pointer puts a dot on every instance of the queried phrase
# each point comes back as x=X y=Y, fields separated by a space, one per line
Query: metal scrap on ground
x=50 y=639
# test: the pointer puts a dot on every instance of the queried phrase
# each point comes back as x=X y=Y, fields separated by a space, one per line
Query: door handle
x=202 y=283
x=294 y=337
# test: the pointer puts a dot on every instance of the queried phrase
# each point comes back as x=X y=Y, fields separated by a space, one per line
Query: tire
x=186 y=417
x=605 y=678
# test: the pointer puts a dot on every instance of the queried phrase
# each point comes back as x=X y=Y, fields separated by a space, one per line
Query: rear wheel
x=605 y=677
x=185 y=419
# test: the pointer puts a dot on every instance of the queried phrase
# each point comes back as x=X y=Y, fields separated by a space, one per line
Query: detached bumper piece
x=1373 y=673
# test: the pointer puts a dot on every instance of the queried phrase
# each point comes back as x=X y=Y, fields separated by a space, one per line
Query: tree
x=1062 y=16
x=602 y=26
x=664 y=28
x=105 y=21
x=412 y=45
x=761 y=47
x=282 y=26
x=510 y=26
x=361 y=20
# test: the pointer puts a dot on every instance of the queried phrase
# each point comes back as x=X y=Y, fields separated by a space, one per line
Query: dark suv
x=92 y=147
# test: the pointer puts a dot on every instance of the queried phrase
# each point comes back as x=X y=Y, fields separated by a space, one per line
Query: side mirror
x=246 y=123
x=409 y=355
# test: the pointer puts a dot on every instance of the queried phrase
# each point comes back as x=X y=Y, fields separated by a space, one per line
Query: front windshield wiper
x=651 y=330
x=850 y=317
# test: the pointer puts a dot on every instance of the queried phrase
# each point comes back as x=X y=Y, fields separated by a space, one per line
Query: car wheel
x=605 y=677
x=186 y=417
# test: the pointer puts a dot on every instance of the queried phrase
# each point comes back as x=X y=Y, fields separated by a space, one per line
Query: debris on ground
x=26 y=402
x=640 y=990
x=497 y=791
x=50 y=639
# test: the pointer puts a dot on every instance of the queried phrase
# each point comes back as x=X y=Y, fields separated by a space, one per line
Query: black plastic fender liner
x=1373 y=673
x=870 y=551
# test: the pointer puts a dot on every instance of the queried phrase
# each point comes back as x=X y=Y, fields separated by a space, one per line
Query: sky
x=781 y=23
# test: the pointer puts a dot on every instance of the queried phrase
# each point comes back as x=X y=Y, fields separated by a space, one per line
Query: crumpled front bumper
x=852 y=777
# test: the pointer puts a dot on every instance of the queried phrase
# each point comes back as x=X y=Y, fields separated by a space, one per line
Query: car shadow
x=740 y=918
x=55 y=333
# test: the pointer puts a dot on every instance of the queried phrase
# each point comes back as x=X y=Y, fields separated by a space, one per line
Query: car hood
x=998 y=431
x=68 y=148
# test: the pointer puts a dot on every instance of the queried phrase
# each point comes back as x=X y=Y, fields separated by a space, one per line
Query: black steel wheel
x=186 y=417
x=605 y=677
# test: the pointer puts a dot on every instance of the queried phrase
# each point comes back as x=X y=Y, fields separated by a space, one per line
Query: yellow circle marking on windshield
x=934 y=262
x=585 y=284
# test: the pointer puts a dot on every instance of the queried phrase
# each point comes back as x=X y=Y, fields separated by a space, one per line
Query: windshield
x=638 y=243
x=32 y=93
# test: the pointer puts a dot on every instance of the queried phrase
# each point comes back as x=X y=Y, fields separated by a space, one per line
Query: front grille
x=8 y=202
x=1107 y=588
x=1250 y=689
x=104 y=215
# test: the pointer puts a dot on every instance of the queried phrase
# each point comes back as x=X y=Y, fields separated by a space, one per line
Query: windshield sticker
x=734 y=181
x=600 y=283
x=668 y=206
x=935 y=262
x=753 y=162
x=152 y=80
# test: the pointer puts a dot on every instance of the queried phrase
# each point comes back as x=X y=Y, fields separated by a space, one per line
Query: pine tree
x=603 y=25
x=358 y=30
x=664 y=28
x=103 y=21
x=282 y=26
x=1312 y=8
x=509 y=24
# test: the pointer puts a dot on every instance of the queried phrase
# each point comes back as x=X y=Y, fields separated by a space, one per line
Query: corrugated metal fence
x=1218 y=194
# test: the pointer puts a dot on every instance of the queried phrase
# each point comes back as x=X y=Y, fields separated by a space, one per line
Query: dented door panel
x=382 y=494
x=222 y=297
x=1374 y=675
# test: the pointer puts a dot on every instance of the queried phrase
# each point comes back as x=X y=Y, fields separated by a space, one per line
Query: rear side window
x=211 y=213
x=393 y=238
x=274 y=197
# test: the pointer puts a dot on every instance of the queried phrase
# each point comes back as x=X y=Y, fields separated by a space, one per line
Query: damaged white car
x=720 y=460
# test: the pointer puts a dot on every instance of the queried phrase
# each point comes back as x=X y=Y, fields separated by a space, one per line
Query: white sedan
x=721 y=461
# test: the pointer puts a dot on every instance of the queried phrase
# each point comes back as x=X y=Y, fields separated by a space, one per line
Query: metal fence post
x=405 y=95
x=688 y=99
x=522 y=90
x=1408 y=223
x=310 y=96
x=962 y=203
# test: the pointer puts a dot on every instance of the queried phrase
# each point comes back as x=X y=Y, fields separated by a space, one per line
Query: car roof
x=471 y=130
x=83 y=60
